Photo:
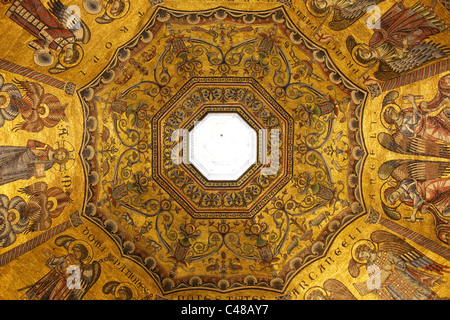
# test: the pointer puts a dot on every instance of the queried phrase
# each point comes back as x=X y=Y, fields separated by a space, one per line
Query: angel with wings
x=401 y=43
x=423 y=128
x=39 y=109
x=56 y=29
x=423 y=186
x=397 y=271
x=345 y=12
x=60 y=283
x=44 y=204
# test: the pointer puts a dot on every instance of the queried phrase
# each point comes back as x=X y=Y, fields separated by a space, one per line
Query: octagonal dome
x=222 y=146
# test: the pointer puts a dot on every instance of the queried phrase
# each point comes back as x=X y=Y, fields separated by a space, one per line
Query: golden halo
x=54 y=203
x=70 y=149
x=88 y=247
x=355 y=59
x=126 y=285
x=7 y=98
x=71 y=46
x=319 y=14
x=47 y=110
x=388 y=126
x=359 y=243
x=93 y=6
x=119 y=15
x=315 y=289
x=388 y=184
x=16 y=214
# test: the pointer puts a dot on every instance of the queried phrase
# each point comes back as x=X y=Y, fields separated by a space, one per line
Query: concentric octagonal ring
x=221 y=180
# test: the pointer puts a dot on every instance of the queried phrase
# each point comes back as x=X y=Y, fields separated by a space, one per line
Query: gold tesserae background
x=349 y=198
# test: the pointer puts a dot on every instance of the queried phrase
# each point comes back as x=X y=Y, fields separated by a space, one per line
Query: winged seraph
x=388 y=242
x=71 y=20
x=424 y=186
x=38 y=108
x=41 y=208
x=396 y=269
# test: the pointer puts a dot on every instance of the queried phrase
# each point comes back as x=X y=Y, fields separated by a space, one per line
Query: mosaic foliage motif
x=349 y=197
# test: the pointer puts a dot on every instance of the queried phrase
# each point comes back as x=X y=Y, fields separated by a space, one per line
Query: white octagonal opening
x=222 y=146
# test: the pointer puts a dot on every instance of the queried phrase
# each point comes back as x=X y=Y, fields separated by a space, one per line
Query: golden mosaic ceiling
x=349 y=197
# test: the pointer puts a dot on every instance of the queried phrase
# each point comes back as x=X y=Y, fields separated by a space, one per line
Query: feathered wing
x=62 y=199
x=415 y=146
x=70 y=20
x=35 y=188
x=33 y=93
x=338 y=291
x=34 y=97
x=393 y=244
x=390 y=98
x=418 y=55
x=30 y=102
x=36 y=208
x=414 y=169
x=354 y=268
x=90 y=275
x=346 y=16
x=56 y=111
x=358 y=9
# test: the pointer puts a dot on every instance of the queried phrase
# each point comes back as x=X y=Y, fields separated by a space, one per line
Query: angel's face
x=68 y=55
x=49 y=205
x=41 y=110
x=11 y=216
x=393 y=114
x=365 y=53
x=317 y=295
x=77 y=253
x=122 y=295
x=365 y=255
x=321 y=4
x=116 y=7
x=394 y=197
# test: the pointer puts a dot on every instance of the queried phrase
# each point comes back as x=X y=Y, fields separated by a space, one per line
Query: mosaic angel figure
x=423 y=128
x=397 y=270
x=401 y=43
x=424 y=186
x=44 y=204
x=71 y=275
x=345 y=12
x=38 y=108
x=56 y=29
